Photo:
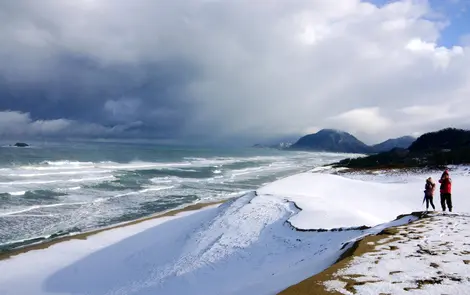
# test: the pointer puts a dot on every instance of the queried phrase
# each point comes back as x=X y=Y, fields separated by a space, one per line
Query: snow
x=38 y=265
x=330 y=201
x=248 y=245
x=431 y=257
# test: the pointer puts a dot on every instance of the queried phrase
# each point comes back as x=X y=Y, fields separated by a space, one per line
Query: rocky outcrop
x=21 y=144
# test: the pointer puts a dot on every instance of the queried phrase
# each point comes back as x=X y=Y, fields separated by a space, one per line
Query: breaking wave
x=43 y=197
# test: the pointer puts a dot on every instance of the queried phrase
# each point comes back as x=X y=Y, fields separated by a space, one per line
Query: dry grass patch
x=370 y=245
x=315 y=284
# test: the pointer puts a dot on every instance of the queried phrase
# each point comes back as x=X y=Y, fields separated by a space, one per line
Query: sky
x=213 y=71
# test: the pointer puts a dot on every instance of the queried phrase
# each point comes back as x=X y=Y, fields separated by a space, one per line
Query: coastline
x=123 y=258
x=83 y=236
x=46 y=243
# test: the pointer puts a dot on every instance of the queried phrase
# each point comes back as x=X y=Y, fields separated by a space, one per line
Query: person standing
x=446 y=191
x=429 y=193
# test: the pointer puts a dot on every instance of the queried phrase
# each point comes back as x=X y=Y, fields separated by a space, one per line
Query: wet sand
x=84 y=236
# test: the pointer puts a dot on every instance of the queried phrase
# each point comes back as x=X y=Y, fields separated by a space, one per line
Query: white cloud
x=265 y=68
x=465 y=40
x=364 y=121
x=15 y=124
x=428 y=111
x=418 y=45
x=441 y=56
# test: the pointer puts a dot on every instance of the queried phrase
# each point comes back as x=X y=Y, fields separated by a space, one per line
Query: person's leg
x=432 y=203
x=449 y=202
x=427 y=202
x=443 y=202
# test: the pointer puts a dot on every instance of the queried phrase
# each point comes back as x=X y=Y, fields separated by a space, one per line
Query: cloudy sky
x=220 y=70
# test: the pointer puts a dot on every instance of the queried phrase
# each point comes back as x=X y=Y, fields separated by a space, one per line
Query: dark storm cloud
x=210 y=70
x=51 y=78
x=82 y=90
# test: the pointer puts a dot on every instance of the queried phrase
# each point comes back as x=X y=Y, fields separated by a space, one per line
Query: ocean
x=49 y=190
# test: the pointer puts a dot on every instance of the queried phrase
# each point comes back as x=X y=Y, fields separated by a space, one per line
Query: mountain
x=331 y=140
x=445 y=139
x=433 y=149
x=400 y=142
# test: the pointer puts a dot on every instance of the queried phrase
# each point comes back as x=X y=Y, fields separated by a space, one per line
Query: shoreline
x=315 y=277
x=83 y=236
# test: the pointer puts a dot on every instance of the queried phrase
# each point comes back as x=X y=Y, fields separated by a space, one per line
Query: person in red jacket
x=446 y=191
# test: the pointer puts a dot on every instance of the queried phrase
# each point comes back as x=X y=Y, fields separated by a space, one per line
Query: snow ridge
x=235 y=227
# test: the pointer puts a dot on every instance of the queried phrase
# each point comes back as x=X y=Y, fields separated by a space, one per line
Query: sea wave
x=65 y=189
x=36 y=207
x=67 y=163
x=137 y=192
x=19 y=193
x=70 y=167
x=88 y=194
x=57 y=173
x=12 y=183
x=176 y=179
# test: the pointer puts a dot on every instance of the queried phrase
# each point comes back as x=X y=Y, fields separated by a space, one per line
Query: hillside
x=445 y=139
x=330 y=140
x=440 y=148
x=400 y=142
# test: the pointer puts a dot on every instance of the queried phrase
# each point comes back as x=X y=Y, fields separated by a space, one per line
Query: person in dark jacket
x=429 y=193
x=446 y=191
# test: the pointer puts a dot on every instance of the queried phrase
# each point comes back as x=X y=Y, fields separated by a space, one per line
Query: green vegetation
x=434 y=149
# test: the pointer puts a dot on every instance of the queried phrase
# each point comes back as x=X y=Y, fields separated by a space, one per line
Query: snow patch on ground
x=330 y=201
x=428 y=257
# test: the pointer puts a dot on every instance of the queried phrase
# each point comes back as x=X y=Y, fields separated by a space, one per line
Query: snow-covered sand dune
x=330 y=201
x=429 y=257
x=245 y=246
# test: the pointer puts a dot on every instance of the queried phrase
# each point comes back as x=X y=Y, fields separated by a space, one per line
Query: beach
x=298 y=229
x=84 y=236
